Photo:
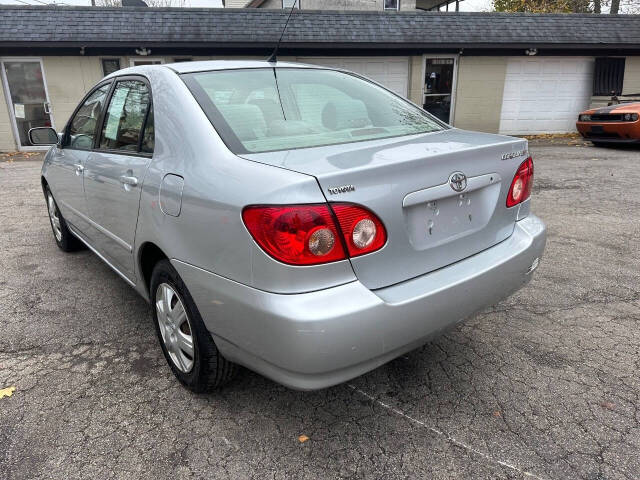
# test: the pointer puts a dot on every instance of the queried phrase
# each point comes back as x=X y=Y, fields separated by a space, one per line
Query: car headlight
x=627 y=117
x=634 y=117
x=584 y=118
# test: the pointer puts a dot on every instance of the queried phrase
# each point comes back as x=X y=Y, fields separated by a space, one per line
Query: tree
x=615 y=6
x=567 y=6
x=543 y=6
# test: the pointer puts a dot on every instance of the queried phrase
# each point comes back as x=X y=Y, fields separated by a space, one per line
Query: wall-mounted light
x=143 y=51
x=531 y=51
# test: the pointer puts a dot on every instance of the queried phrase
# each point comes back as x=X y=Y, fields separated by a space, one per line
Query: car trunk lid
x=407 y=182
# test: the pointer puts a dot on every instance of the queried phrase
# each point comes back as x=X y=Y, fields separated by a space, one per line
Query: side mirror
x=43 y=136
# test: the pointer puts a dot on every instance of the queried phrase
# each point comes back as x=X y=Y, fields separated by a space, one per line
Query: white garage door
x=545 y=94
x=392 y=72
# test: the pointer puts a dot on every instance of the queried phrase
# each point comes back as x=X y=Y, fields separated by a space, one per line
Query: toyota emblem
x=458 y=181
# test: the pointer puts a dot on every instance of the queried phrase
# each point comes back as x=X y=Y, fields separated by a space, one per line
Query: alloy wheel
x=54 y=216
x=175 y=327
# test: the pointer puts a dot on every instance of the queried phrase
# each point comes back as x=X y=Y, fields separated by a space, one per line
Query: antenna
x=274 y=56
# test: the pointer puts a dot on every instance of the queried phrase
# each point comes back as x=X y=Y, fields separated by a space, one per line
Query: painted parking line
x=449 y=438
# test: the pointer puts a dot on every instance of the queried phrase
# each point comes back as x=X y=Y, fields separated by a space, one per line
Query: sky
x=465 y=5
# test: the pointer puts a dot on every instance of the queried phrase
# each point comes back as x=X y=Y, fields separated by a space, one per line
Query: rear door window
x=124 y=121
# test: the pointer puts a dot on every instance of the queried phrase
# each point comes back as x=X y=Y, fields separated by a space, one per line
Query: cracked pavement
x=543 y=385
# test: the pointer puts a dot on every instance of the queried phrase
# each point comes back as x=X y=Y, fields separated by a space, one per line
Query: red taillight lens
x=522 y=183
x=295 y=234
x=362 y=230
x=308 y=235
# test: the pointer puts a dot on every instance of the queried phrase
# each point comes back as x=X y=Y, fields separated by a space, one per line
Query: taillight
x=522 y=183
x=308 y=234
x=362 y=230
x=295 y=234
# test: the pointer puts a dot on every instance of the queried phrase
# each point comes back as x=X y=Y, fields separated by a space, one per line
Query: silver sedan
x=304 y=222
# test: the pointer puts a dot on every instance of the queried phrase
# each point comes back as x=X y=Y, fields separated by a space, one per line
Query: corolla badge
x=458 y=181
x=509 y=156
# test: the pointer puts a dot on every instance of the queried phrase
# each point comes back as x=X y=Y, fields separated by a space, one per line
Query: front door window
x=82 y=129
x=438 y=87
x=27 y=97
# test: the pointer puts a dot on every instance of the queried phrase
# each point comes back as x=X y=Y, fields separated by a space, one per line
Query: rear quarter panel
x=209 y=232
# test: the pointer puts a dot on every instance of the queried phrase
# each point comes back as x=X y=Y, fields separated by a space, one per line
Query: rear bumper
x=318 y=339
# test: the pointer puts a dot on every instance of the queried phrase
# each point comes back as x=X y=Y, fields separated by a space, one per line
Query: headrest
x=246 y=120
x=270 y=108
x=343 y=114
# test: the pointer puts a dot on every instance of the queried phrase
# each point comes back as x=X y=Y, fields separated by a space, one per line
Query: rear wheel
x=65 y=240
x=187 y=345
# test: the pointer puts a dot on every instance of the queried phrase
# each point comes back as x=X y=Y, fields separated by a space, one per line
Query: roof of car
x=210 y=65
x=253 y=29
x=187 y=67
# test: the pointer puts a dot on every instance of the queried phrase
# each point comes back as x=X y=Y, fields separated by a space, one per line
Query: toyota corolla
x=304 y=222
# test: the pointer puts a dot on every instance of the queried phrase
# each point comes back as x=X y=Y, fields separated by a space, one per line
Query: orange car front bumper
x=610 y=132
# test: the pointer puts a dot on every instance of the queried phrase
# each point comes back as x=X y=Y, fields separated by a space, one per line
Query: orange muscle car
x=618 y=123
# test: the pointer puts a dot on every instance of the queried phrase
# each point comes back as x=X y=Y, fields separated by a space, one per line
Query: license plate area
x=597 y=129
x=444 y=216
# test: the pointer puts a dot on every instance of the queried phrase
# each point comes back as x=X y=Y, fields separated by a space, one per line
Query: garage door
x=392 y=72
x=545 y=95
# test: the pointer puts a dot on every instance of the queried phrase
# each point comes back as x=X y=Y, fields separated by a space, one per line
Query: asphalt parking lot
x=544 y=385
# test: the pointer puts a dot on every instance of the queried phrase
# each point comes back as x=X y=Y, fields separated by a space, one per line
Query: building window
x=110 y=65
x=289 y=3
x=608 y=76
x=146 y=61
x=391 y=4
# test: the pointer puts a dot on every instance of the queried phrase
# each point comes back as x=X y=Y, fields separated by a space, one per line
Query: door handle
x=133 y=181
x=79 y=168
x=47 y=108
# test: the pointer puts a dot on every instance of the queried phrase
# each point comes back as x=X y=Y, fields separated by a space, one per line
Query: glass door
x=438 y=87
x=26 y=94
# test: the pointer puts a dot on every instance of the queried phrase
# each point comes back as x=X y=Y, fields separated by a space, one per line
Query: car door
x=66 y=175
x=114 y=171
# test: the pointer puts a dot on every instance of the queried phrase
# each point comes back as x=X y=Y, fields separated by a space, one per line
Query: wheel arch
x=44 y=184
x=149 y=254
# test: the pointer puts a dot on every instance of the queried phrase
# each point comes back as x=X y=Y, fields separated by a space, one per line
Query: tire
x=201 y=368
x=66 y=241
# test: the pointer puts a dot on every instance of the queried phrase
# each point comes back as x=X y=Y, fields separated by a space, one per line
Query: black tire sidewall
x=67 y=242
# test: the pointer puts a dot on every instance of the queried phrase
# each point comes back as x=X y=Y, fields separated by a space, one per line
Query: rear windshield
x=267 y=109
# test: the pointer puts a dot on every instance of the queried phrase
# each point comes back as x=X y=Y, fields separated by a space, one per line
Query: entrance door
x=439 y=84
x=26 y=94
